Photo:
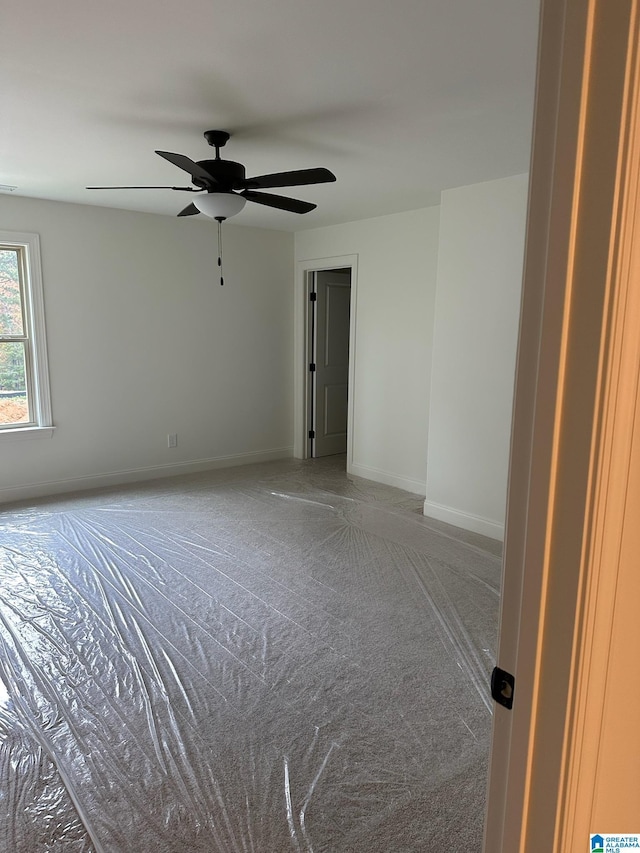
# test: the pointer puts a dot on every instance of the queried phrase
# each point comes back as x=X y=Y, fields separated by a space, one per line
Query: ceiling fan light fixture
x=219 y=205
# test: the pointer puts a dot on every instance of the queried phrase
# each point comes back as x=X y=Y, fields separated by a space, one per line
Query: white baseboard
x=465 y=520
x=133 y=475
x=416 y=487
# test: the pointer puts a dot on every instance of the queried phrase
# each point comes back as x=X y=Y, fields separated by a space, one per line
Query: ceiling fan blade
x=189 y=210
x=183 y=162
x=182 y=189
x=290 y=179
x=293 y=205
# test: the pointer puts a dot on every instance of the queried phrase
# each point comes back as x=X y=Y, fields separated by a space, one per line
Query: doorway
x=308 y=281
x=329 y=309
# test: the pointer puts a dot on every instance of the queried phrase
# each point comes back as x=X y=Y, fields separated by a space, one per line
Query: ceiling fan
x=224 y=187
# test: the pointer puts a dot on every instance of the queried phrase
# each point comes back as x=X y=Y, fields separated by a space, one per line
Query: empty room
x=260 y=286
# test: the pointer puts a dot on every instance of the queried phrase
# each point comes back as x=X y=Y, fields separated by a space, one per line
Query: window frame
x=36 y=361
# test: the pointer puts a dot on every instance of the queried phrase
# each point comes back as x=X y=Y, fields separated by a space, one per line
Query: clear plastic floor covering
x=257 y=660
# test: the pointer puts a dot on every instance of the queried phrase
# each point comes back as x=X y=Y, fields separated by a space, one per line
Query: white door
x=330 y=365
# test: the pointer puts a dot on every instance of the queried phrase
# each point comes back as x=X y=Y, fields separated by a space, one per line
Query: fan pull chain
x=220 y=220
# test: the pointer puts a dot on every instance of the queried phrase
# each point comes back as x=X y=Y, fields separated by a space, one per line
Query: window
x=25 y=406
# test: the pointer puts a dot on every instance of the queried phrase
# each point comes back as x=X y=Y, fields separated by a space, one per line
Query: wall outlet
x=172 y=439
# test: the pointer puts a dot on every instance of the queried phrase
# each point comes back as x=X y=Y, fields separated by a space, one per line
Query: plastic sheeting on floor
x=251 y=661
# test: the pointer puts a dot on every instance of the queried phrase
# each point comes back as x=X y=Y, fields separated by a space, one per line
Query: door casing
x=576 y=391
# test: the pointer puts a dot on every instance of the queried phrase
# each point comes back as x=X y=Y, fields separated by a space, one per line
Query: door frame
x=576 y=386
x=301 y=376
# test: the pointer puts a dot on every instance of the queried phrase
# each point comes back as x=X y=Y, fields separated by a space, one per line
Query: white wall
x=397 y=257
x=143 y=342
x=480 y=259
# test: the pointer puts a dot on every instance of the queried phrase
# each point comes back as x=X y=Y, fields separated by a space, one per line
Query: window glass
x=11 y=312
x=14 y=401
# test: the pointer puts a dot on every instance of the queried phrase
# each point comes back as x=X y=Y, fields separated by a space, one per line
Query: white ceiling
x=399 y=98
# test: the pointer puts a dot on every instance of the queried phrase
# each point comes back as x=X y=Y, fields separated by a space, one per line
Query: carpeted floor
x=263 y=659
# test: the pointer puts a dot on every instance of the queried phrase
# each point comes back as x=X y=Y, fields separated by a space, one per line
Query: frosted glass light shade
x=221 y=205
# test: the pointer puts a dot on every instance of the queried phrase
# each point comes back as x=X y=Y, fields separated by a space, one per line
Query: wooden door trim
x=573 y=417
x=618 y=383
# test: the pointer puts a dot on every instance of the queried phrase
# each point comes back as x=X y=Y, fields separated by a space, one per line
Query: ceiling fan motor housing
x=227 y=175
